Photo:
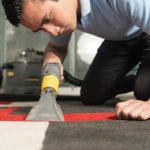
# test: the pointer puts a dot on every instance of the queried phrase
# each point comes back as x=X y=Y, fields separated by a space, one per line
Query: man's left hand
x=133 y=110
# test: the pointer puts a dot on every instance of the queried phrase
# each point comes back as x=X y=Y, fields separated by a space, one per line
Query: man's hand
x=133 y=110
x=54 y=54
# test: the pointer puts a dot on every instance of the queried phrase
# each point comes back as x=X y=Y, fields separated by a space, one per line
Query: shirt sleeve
x=136 y=11
x=61 y=40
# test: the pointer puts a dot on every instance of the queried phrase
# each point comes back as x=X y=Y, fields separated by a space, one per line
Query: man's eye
x=47 y=20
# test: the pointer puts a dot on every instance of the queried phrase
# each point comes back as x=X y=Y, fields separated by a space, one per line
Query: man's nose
x=54 y=30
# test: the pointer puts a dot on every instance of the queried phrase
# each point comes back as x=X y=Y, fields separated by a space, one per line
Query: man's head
x=52 y=16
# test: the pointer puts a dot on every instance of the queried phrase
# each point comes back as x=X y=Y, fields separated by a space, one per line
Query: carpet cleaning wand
x=47 y=108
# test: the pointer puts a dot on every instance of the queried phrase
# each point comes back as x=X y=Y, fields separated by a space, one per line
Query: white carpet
x=22 y=135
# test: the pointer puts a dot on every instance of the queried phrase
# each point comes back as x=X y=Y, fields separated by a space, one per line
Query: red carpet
x=9 y=114
x=89 y=116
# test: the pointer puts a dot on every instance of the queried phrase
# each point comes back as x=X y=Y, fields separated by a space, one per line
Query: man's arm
x=55 y=54
x=138 y=13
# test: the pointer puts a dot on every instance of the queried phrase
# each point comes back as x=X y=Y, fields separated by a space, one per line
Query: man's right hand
x=54 y=54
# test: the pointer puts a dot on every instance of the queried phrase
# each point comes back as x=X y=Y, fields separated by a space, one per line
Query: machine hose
x=72 y=80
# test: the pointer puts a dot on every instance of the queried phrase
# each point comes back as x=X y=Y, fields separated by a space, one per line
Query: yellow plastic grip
x=50 y=81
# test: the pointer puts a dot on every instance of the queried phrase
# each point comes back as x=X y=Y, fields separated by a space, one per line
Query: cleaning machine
x=23 y=75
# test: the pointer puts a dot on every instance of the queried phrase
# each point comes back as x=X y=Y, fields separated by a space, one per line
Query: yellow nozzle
x=50 y=81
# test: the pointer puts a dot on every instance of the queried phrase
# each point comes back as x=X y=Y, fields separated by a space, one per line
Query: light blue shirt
x=111 y=19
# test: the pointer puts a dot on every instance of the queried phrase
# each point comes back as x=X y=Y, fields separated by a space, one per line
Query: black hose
x=72 y=80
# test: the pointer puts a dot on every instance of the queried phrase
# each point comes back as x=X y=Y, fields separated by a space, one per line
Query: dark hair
x=13 y=10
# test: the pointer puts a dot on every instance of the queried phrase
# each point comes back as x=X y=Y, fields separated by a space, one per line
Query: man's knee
x=95 y=96
x=141 y=93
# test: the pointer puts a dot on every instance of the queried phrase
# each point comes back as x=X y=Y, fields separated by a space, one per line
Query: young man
x=124 y=24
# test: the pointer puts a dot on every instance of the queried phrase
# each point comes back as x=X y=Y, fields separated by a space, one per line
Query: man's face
x=54 y=17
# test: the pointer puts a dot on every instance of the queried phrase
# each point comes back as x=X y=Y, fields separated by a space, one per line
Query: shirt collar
x=85 y=7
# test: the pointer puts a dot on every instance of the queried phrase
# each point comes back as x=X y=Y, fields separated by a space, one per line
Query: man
x=124 y=24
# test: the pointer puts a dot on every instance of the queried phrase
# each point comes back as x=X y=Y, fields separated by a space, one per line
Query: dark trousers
x=107 y=75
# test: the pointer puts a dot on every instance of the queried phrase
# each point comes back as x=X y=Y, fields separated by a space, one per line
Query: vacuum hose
x=72 y=80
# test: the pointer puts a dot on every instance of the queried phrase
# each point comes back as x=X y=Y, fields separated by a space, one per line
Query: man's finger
x=144 y=115
x=137 y=110
x=120 y=106
x=126 y=111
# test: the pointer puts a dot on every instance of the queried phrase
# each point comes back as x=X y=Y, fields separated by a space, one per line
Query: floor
x=74 y=135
